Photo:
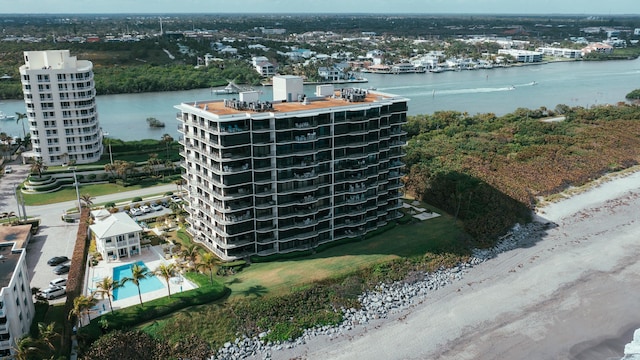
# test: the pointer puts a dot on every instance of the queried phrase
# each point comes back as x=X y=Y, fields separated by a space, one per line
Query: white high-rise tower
x=60 y=99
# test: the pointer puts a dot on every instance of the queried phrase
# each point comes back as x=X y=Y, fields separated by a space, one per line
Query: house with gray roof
x=117 y=235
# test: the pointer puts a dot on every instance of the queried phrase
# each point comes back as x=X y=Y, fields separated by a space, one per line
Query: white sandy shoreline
x=572 y=294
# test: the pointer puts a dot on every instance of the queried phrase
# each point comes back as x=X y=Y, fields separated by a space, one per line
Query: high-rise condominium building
x=16 y=301
x=60 y=99
x=288 y=175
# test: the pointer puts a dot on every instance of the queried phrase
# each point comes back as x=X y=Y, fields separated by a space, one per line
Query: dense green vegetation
x=467 y=165
x=634 y=95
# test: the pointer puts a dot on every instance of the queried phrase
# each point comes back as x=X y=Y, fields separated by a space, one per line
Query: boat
x=4 y=116
x=231 y=88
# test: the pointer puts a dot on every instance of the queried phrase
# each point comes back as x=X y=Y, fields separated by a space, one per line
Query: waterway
x=499 y=91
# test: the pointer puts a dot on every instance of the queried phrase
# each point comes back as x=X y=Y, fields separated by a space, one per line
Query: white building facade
x=288 y=175
x=117 y=235
x=16 y=301
x=60 y=99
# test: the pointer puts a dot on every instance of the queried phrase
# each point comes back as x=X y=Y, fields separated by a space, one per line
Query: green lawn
x=68 y=194
x=438 y=235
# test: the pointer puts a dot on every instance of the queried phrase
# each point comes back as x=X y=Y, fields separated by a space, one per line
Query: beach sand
x=572 y=293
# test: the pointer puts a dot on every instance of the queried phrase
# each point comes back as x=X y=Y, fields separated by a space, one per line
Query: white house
x=117 y=235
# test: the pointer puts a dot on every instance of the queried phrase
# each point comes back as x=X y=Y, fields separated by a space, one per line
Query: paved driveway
x=55 y=237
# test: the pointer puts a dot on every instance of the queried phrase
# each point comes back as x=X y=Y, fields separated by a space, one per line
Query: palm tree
x=167 y=140
x=153 y=162
x=25 y=347
x=110 y=168
x=19 y=119
x=190 y=252
x=179 y=184
x=138 y=273
x=209 y=262
x=87 y=200
x=106 y=286
x=38 y=167
x=166 y=271
x=47 y=334
x=81 y=306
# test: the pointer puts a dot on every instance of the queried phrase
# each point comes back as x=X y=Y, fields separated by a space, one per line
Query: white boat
x=231 y=88
x=4 y=116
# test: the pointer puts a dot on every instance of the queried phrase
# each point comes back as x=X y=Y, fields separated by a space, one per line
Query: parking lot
x=56 y=237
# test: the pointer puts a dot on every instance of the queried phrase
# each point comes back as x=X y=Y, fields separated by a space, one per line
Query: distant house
x=263 y=66
x=229 y=50
x=376 y=53
x=330 y=73
x=597 y=47
x=117 y=235
x=257 y=47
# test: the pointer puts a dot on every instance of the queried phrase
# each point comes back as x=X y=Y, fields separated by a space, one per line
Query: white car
x=53 y=292
x=58 y=282
x=157 y=207
x=8 y=169
x=135 y=211
x=145 y=209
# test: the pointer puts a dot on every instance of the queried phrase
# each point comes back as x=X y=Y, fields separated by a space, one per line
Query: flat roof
x=217 y=107
x=13 y=241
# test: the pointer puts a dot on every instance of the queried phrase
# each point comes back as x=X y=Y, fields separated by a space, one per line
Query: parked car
x=57 y=260
x=61 y=269
x=53 y=292
x=145 y=209
x=176 y=198
x=8 y=169
x=136 y=212
x=157 y=207
x=165 y=203
x=58 y=282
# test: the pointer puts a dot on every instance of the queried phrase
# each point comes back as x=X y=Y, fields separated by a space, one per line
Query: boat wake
x=436 y=92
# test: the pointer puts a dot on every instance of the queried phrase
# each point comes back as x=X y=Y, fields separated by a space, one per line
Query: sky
x=589 y=7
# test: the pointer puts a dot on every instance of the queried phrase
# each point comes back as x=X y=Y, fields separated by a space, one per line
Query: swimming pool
x=151 y=283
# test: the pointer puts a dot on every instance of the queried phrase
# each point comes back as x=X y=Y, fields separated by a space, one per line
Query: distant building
x=16 y=301
x=263 y=66
x=60 y=97
x=525 y=56
x=269 y=177
x=597 y=47
x=561 y=52
x=273 y=31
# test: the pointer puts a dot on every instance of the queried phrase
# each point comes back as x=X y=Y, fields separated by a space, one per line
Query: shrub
x=110 y=205
x=136 y=199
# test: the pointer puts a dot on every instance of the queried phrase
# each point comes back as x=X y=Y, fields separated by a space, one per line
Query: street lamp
x=75 y=183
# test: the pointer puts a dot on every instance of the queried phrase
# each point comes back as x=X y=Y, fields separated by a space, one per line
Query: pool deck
x=152 y=257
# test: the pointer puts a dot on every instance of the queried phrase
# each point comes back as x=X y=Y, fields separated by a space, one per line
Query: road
x=55 y=237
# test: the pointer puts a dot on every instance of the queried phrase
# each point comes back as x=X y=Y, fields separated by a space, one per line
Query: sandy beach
x=571 y=293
